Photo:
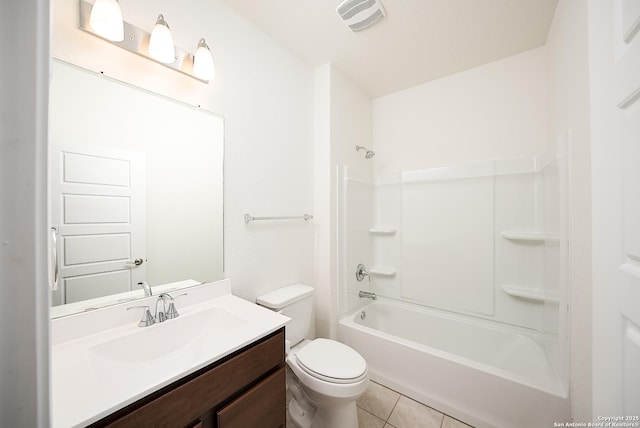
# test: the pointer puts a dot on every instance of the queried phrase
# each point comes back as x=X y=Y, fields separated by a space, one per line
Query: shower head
x=368 y=153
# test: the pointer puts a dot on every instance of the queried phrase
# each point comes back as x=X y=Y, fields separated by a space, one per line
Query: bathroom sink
x=101 y=361
x=175 y=339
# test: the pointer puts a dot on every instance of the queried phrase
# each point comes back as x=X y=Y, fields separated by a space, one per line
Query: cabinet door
x=262 y=406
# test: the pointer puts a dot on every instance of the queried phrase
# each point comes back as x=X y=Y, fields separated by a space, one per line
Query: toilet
x=324 y=377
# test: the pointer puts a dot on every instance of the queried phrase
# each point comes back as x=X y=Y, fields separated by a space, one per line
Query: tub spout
x=367 y=295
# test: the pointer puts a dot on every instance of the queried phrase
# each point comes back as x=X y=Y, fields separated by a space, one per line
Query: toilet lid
x=332 y=361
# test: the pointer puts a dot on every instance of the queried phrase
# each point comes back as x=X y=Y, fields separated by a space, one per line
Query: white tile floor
x=381 y=407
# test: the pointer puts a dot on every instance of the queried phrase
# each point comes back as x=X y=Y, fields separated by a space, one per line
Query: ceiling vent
x=361 y=14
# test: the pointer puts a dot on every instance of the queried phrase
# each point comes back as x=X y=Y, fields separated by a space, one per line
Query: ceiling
x=418 y=41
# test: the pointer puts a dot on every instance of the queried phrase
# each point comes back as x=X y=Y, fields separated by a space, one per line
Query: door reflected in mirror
x=136 y=192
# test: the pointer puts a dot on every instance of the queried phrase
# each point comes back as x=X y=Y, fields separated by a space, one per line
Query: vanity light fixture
x=157 y=46
x=106 y=20
x=161 y=42
x=203 y=62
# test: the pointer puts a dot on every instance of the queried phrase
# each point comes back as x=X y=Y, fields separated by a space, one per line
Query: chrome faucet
x=368 y=295
x=146 y=287
x=165 y=314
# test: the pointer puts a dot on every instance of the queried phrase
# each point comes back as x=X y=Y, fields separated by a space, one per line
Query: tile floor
x=381 y=407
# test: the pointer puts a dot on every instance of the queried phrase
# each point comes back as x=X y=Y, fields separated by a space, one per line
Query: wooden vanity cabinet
x=245 y=389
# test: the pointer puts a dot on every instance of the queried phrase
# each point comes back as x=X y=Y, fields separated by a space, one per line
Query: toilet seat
x=332 y=362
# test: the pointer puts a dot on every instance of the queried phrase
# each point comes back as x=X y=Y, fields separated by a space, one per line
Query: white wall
x=351 y=124
x=325 y=259
x=24 y=318
x=567 y=47
x=498 y=110
x=356 y=244
x=265 y=96
x=342 y=121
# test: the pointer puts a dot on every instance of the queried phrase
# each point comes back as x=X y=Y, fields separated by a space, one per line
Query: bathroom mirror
x=135 y=182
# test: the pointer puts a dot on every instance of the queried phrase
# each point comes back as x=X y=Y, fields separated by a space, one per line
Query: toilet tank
x=296 y=302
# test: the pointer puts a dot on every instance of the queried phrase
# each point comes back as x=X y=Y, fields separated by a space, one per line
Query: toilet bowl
x=331 y=377
x=325 y=377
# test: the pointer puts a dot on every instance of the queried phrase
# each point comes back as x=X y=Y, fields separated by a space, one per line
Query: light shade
x=161 y=42
x=106 y=20
x=203 y=62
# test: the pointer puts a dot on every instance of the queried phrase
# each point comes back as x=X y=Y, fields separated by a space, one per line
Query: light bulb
x=203 y=62
x=106 y=20
x=161 y=42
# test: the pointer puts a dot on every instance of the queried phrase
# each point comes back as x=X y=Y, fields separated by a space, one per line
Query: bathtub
x=484 y=374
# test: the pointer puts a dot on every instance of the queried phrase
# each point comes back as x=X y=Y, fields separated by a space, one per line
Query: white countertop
x=87 y=386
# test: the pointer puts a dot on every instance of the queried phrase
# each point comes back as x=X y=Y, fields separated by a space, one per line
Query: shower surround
x=470 y=264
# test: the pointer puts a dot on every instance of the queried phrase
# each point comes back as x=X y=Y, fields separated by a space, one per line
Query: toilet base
x=309 y=409
x=299 y=417
x=336 y=416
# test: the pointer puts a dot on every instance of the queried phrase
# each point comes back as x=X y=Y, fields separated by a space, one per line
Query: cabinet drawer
x=262 y=406
x=189 y=400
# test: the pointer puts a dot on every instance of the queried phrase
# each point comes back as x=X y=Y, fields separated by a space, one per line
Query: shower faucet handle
x=361 y=272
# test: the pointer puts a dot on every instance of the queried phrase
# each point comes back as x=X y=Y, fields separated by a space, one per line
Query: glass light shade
x=203 y=62
x=161 y=42
x=106 y=20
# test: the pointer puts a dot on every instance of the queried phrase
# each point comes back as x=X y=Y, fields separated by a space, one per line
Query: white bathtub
x=484 y=374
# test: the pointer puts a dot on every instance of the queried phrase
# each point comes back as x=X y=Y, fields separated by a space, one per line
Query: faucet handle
x=361 y=272
x=172 y=312
x=147 y=318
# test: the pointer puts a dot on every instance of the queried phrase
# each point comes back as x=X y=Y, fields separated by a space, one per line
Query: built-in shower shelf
x=529 y=237
x=380 y=271
x=382 y=230
x=534 y=295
